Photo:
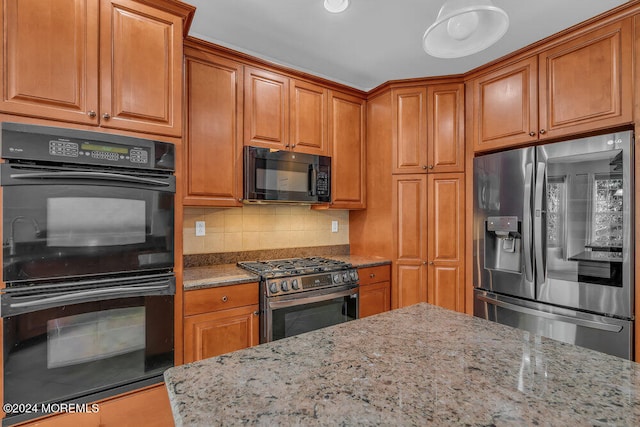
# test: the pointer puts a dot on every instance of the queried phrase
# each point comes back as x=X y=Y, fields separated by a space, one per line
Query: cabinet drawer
x=220 y=298
x=370 y=275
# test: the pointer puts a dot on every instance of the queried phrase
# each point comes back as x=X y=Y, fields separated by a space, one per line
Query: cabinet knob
x=532 y=133
x=430 y=166
x=430 y=262
x=542 y=131
x=240 y=199
x=424 y=166
x=106 y=116
x=372 y=275
x=424 y=262
x=92 y=114
x=256 y=313
x=287 y=146
x=293 y=146
x=225 y=298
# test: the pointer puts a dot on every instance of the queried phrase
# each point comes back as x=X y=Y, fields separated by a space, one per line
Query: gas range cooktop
x=295 y=275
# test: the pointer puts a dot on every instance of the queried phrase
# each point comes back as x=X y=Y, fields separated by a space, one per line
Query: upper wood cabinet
x=445 y=128
x=578 y=86
x=347 y=150
x=116 y=64
x=213 y=131
x=409 y=125
x=428 y=128
x=284 y=113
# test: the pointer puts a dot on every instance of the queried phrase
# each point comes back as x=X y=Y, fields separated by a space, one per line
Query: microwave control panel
x=322 y=183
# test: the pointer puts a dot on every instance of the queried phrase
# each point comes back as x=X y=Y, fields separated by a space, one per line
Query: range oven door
x=67 y=222
x=295 y=314
x=84 y=341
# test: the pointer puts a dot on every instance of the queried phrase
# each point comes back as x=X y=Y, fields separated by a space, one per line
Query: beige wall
x=256 y=227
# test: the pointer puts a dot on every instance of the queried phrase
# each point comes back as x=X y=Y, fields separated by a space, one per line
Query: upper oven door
x=69 y=222
x=285 y=176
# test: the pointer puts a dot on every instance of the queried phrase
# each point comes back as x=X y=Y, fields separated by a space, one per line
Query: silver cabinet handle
x=91 y=114
x=106 y=116
x=225 y=298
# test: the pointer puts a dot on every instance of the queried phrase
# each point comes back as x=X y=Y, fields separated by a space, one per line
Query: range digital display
x=105 y=148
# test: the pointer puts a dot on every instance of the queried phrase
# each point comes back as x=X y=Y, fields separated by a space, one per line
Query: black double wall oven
x=88 y=256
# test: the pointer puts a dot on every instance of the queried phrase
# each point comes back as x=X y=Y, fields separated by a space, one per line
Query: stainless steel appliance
x=87 y=228
x=285 y=176
x=303 y=294
x=553 y=240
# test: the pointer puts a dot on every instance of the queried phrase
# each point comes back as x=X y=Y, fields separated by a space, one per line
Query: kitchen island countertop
x=420 y=365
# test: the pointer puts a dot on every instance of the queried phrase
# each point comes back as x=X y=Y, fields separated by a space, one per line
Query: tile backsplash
x=257 y=227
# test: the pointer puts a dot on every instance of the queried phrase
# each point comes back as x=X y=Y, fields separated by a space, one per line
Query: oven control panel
x=102 y=152
x=294 y=284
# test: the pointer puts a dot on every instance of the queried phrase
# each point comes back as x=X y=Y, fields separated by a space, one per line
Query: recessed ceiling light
x=336 y=6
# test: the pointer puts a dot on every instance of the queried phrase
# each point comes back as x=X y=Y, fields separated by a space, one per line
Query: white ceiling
x=373 y=41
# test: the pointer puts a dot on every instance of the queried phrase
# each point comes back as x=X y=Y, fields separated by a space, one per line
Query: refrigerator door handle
x=551 y=316
x=537 y=224
x=526 y=223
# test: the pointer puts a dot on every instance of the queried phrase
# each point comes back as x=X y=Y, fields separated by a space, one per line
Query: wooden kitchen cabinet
x=347 y=151
x=409 y=124
x=445 y=128
x=445 y=225
x=375 y=290
x=284 y=114
x=110 y=63
x=220 y=320
x=410 y=239
x=580 y=85
x=213 y=131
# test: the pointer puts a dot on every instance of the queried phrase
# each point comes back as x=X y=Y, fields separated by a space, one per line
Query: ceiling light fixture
x=336 y=6
x=464 y=27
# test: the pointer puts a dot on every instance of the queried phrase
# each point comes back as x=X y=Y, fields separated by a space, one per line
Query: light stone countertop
x=420 y=365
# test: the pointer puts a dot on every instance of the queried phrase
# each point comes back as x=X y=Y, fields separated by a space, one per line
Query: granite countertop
x=216 y=275
x=230 y=274
x=420 y=365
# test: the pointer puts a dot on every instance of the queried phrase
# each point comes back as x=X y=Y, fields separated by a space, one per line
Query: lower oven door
x=295 y=314
x=85 y=341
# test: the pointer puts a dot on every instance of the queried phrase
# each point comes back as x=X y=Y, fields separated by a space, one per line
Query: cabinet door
x=347 y=149
x=375 y=298
x=446 y=240
x=50 y=59
x=140 y=68
x=410 y=239
x=409 y=124
x=585 y=83
x=266 y=109
x=308 y=118
x=219 y=332
x=149 y=407
x=213 y=131
x=445 y=127
x=505 y=106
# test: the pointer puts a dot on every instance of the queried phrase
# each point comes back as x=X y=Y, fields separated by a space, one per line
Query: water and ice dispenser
x=503 y=244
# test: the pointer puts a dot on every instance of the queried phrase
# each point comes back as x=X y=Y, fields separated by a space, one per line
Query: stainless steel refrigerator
x=553 y=240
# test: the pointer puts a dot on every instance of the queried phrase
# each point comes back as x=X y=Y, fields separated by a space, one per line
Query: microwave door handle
x=274 y=305
x=91 y=176
x=75 y=296
x=313 y=181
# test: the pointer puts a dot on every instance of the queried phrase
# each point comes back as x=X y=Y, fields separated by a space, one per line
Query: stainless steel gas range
x=299 y=295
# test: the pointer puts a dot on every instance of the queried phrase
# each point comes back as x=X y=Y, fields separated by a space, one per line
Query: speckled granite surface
x=215 y=275
x=420 y=365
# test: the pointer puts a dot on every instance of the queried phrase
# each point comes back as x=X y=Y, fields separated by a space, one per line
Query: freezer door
x=502 y=223
x=604 y=334
x=583 y=236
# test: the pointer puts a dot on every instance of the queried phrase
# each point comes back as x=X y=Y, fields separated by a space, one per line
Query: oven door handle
x=91 y=176
x=275 y=305
x=87 y=296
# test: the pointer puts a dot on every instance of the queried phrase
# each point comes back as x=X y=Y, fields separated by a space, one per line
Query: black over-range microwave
x=285 y=176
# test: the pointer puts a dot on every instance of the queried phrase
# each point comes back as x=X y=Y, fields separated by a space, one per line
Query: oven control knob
x=295 y=285
x=273 y=287
x=284 y=286
x=337 y=278
x=345 y=277
x=354 y=275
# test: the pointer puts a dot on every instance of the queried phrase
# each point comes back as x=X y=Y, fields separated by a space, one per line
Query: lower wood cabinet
x=220 y=320
x=375 y=290
x=149 y=407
